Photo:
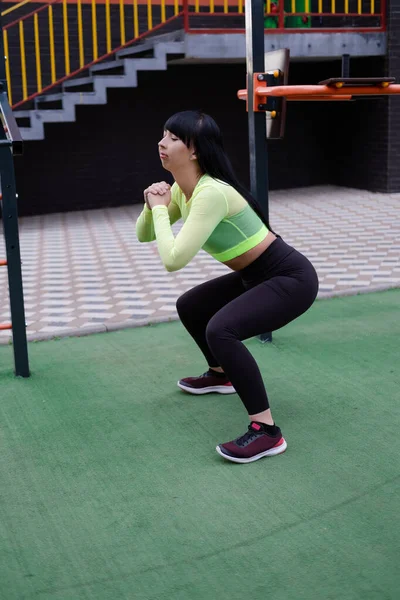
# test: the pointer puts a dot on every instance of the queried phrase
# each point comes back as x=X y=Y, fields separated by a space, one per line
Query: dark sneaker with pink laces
x=254 y=444
x=207 y=383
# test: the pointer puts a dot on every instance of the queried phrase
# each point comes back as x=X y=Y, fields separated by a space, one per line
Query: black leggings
x=275 y=289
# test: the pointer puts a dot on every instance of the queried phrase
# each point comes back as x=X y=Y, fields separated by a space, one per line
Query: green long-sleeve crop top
x=216 y=219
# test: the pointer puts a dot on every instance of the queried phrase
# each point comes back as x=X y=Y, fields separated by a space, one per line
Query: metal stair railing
x=62 y=39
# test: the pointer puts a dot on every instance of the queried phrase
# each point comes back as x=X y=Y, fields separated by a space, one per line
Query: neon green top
x=216 y=219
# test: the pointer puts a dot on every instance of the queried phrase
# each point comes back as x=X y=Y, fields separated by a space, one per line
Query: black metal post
x=2 y=57
x=258 y=147
x=254 y=14
x=346 y=65
x=10 y=141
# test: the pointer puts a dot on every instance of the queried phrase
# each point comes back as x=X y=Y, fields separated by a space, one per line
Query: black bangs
x=185 y=125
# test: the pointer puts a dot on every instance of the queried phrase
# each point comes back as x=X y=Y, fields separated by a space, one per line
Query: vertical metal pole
x=254 y=15
x=2 y=57
x=10 y=227
x=346 y=65
x=11 y=235
x=258 y=147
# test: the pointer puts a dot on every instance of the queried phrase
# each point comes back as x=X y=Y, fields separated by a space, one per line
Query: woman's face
x=174 y=153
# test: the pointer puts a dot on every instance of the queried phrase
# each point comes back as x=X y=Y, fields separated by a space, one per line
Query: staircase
x=121 y=72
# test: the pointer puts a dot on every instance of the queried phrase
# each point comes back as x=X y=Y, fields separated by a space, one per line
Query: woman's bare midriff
x=244 y=260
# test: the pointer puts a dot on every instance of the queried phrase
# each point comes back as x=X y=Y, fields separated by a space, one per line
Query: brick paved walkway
x=87 y=271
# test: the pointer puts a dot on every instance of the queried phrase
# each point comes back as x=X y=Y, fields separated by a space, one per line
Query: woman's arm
x=144 y=224
x=207 y=210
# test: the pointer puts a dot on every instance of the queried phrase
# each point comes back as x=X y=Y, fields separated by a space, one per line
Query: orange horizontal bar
x=313 y=92
x=242 y=95
x=5 y=326
x=318 y=98
x=326 y=90
x=3 y=263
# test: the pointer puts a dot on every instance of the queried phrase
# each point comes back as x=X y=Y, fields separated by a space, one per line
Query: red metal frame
x=287 y=14
x=293 y=30
x=185 y=7
x=281 y=19
x=383 y=14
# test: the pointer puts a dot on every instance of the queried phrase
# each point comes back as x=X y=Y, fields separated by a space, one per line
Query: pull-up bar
x=268 y=92
x=265 y=87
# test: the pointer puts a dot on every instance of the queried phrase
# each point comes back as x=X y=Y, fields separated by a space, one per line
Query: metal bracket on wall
x=270 y=79
x=13 y=137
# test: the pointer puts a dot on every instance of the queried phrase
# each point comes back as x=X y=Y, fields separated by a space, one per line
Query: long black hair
x=201 y=131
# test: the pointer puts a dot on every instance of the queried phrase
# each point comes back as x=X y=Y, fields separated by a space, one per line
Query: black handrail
x=10 y=127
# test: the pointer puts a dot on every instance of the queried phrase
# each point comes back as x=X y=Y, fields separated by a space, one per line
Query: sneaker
x=207 y=383
x=254 y=444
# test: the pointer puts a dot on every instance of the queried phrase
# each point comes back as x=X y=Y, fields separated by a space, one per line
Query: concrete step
x=49 y=98
x=91 y=89
x=112 y=81
x=22 y=114
x=80 y=82
x=107 y=66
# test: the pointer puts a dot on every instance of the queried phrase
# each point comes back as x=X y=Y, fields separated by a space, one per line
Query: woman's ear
x=193 y=154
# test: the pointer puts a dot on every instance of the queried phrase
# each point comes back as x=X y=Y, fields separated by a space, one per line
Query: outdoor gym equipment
x=10 y=146
x=268 y=92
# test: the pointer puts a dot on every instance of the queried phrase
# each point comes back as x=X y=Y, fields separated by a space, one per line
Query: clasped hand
x=157 y=194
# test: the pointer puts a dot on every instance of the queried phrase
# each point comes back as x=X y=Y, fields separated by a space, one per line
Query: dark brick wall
x=393 y=69
x=369 y=157
x=357 y=131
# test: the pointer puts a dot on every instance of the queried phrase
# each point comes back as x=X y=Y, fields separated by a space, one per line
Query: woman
x=270 y=285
